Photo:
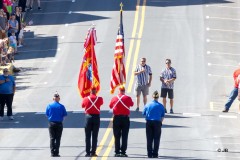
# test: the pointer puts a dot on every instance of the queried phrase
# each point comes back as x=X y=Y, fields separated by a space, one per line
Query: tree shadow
x=73 y=120
x=172 y=3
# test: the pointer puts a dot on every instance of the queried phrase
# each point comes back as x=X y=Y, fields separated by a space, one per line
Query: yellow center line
x=99 y=148
x=133 y=37
x=137 y=47
x=108 y=150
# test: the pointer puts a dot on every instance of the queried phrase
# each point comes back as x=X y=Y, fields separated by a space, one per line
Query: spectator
x=18 y=18
x=30 y=4
x=144 y=79
x=3 y=26
x=13 y=42
x=7 y=90
x=20 y=36
x=167 y=77
x=234 y=92
x=13 y=25
x=22 y=4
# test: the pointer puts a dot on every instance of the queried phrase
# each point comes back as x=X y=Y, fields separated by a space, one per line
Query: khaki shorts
x=144 y=89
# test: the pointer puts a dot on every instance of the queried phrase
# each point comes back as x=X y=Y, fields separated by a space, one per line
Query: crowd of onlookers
x=12 y=24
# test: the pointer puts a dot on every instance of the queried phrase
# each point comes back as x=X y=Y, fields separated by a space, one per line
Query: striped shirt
x=142 y=78
x=168 y=73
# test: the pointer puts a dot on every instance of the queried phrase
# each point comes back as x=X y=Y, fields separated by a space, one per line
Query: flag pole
x=92 y=28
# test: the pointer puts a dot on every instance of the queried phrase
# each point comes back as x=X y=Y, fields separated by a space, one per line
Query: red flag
x=88 y=76
x=118 y=71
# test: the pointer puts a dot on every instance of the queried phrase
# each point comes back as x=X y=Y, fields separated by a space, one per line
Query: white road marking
x=225 y=143
x=62 y=37
x=222 y=65
x=66 y=24
x=222 y=53
x=36 y=61
x=52 y=13
x=192 y=114
x=70 y=12
x=9 y=122
x=228 y=157
x=223 y=18
x=228 y=116
x=221 y=30
x=211 y=106
x=45 y=83
x=215 y=75
x=56 y=1
x=49 y=71
x=222 y=6
x=215 y=41
x=73 y=1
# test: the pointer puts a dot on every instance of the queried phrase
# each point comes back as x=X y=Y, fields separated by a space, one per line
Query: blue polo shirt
x=55 y=112
x=7 y=87
x=154 y=111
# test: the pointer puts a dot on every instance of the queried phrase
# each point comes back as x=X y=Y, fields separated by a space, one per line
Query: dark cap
x=121 y=88
x=155 y=94
x=168 y=60
x=56 y=95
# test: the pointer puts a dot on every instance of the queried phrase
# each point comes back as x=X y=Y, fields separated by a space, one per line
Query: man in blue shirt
x=154 y=112
x=55 y=113
x=7 y=90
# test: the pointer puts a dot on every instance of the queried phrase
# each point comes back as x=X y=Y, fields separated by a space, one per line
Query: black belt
x=93 y=115
x=55 y=122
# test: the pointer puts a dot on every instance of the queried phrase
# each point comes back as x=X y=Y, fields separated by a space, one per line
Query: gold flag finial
x=121 y=5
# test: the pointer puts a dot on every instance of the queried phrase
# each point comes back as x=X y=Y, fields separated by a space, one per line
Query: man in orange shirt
x=92 y=105
x=121 y=109
x=234 y=92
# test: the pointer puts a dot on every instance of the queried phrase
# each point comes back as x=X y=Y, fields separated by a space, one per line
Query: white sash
x=93 y=104
x=120 y=100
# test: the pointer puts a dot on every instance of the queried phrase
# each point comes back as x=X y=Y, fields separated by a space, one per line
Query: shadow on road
x=73 y=120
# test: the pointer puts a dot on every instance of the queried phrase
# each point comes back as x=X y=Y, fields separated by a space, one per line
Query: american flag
x=118 y=72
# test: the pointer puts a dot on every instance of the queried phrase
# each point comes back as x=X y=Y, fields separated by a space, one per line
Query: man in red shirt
x=92 y=105
x=121 y=109
x=234 y=92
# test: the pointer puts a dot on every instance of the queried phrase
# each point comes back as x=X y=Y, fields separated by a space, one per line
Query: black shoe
x=171 y=111
x=150 y=156
x=124 y=155
x=154 y=156
x=94 y=155
x=55 y=155
x=30 y=8
x=39 y=8
x=137 y=109
x=165 y=110
x=117 y=155
x=87 y=155
x=225 y=110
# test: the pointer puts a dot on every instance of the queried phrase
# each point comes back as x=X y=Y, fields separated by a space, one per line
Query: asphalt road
x=200 y=37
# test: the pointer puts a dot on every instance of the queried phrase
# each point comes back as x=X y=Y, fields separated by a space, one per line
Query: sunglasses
x=5 y=71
